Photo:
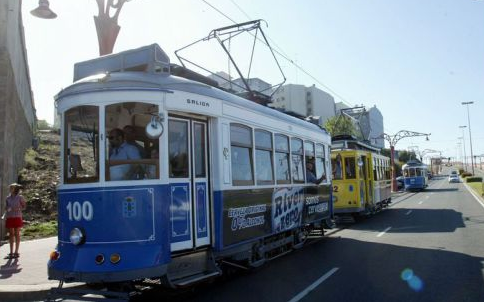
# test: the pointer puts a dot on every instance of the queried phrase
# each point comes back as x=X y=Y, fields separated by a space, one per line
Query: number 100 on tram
x=166 y=177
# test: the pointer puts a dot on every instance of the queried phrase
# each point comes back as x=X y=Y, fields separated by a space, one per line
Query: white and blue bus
x=215 y=179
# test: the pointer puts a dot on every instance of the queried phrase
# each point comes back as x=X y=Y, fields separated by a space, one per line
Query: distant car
x=453 y=178
x=400 y=182
x=453 y=173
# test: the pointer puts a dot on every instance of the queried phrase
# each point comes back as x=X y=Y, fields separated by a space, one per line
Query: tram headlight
x=77 y=236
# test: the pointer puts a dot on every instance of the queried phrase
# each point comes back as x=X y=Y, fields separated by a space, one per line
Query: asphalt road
x=428 y=246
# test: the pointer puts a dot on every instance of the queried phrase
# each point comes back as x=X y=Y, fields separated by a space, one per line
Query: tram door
x=363 y=179
x=189 y=187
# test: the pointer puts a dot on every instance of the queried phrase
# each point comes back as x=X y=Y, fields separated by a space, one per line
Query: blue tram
x=170 y=178
x=415 y=176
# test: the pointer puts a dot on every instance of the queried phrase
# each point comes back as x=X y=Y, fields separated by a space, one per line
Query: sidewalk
x=25 y=278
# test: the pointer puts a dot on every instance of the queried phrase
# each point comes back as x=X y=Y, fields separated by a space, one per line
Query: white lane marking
x=384 y=231
x=420 y=202
x=314 y=285
x=474 y=195
x=409 y=211
x=427 y=197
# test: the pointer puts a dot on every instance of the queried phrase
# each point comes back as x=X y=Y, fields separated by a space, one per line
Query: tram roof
x=135 y=80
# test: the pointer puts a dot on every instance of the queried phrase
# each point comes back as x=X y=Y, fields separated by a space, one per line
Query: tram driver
x=311 y=174
x=121 y=150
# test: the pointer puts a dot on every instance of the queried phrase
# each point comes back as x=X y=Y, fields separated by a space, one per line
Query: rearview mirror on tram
x=154 y=129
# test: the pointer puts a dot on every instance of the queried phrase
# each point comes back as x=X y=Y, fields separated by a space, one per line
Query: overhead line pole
x=393 y=140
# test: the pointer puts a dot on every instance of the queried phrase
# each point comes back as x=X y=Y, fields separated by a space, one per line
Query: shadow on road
x=441 y=190
x=368 y=271
x=422 y=221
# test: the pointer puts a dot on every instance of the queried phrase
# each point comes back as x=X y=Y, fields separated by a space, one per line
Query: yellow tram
x=361 y=177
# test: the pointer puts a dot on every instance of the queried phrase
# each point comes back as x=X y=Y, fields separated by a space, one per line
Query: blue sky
x=415 y=60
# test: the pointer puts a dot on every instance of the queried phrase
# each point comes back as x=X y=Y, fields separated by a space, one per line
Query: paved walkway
x=25 y=278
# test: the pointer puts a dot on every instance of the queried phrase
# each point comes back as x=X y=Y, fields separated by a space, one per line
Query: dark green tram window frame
x=241 y=144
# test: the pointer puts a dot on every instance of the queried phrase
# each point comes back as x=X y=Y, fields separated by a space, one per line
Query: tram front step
x=189 y=264
x=345 y=219
x=195 y=278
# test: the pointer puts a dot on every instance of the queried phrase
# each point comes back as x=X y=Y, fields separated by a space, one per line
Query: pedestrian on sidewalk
x=15 y=205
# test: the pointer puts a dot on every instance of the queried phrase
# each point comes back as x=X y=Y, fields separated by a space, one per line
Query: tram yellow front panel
x=349 y=182
x=346 y=196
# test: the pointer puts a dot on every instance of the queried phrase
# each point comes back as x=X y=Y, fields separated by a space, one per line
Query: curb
x=478 y=198
x=29 y=292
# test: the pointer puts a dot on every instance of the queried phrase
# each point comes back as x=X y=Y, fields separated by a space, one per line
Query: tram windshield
x=350 y=168
x=81 y=148
x=130 y=154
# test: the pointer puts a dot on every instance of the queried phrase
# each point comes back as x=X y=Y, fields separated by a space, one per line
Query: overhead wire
x=280 y=53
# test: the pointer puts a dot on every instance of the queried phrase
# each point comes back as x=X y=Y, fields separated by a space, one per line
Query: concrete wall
x=17 y=111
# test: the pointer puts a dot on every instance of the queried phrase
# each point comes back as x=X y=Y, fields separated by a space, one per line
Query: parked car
x=453 y=178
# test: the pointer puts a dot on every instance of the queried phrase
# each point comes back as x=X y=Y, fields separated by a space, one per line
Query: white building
x=255 y=84
x=305 y=101
x=376 y=127
x=339 y=106
x=369 y=122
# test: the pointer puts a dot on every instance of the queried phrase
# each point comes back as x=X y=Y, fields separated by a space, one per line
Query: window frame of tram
x=139 y=155
x=337 y=167
x=241 y=143
x=350 y=168
x=263 y=157
x=75 y=156
x=297 y=160
x=320 y=165
x=178 y=148
x=282 y=156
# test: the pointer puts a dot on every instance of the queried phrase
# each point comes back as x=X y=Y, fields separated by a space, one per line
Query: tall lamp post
x=106 y=22
x=470 y=134
x=392 y=141
x=464 y=144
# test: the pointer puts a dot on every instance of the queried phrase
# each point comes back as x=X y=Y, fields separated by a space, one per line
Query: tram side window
x=320 y=160
x=282 y=159
x=375 y=170
x=310 y=159
x=297 y=160
x=241 y=155
x=81 y=151
x=263 y=157
x=337 y=166
x=130 y=154
x=381 y=170
x=350 y=168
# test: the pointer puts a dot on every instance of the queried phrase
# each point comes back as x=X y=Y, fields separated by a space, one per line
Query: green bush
x=466 y=174
x=461 y=171
x=474 y=179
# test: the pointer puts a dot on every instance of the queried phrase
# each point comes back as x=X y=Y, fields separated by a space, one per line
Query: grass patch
x=29 y=158
x=477 y=187
x=40 y=230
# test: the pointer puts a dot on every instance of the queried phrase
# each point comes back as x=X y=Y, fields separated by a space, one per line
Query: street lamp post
x=470 y=134
x=106 y=22
x=464 y=144
x=392 y=141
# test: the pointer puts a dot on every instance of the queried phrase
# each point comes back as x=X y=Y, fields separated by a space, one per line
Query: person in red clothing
x=15 y=205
